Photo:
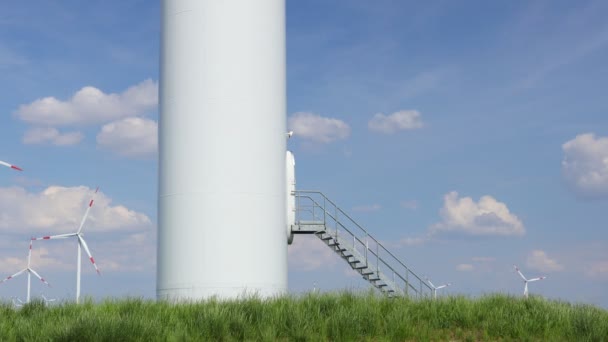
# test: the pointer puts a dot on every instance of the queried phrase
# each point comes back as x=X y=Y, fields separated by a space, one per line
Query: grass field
x=312 y=317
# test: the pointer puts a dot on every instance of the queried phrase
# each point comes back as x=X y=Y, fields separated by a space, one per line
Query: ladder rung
x=373 y=279
x=381 y=285
x=367 y=273
x=360 y=267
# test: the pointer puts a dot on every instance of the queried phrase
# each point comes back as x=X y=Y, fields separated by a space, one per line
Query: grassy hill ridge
x=336 y=317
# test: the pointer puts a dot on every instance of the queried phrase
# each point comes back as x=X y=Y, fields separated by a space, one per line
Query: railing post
x=366 y=249
x=377 y=259
x=324 y=213
x=407 y=283
x=336 y=217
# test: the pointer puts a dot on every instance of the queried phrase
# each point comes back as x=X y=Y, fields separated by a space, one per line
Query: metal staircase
x=316 y=214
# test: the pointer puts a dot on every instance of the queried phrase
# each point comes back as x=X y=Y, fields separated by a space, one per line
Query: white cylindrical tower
x=221 y=201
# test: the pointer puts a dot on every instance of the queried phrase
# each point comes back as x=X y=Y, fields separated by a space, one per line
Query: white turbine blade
x=39 y=277
x=13 y=276
x=86 y=213
x=29 y=254
x=51 y=237
x=17 y=304
x=442 y=286
x=535 y=279
x=429 y=281
x=14 y=167
x=520 y=274
x=86 y=249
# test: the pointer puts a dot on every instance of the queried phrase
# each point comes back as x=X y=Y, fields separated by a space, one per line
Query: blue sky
x=468 y=136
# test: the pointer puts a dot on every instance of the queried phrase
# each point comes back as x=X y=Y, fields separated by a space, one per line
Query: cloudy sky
x=466 y=136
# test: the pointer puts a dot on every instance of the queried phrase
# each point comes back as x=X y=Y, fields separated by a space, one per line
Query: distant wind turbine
x=47 y=300
x=435 y=288
x=29 y=271
x=17 y=302
x=526 y=281
x=11 y=166
x=81 y=244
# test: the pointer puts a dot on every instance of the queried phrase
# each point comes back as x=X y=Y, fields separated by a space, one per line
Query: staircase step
x=346 y=248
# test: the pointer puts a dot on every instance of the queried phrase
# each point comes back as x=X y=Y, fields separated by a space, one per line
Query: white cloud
x=90 y=105
x=598 y=269
x=398 y=121
x=585 y=165
x=367 y=208
x=308 y=253
x=411 y=204
x=40 y=135
x=130 y=137
x=483 y=259
x=539 y=261
x=59 y=210
x=465 y=267
x=486 y=217
x=411 y=241
x=133 y=252
x=317 y=128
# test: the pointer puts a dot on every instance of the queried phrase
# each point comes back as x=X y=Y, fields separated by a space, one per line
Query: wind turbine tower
x=222 y=149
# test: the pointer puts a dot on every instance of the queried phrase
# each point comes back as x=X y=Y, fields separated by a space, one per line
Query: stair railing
x=314 y=208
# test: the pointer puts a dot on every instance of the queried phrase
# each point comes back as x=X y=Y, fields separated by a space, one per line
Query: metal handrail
x=327 y=213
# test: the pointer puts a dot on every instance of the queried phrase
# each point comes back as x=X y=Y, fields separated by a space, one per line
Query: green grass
x=324 y=317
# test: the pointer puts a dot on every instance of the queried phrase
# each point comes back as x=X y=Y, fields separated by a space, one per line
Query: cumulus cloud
x=398 y=121
x=465 y=267
x=317 y=128
x=130 y=137
x=483 y=259
x=59 y=209
x=367 y=208
x=585 y=165
x=132 y=252
x=539 y=261
x=411 y=204
x=41 y=135
x=486 y=217
x=90 y=105
x=411 y=241
x=308 y=253
x=598 y=269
